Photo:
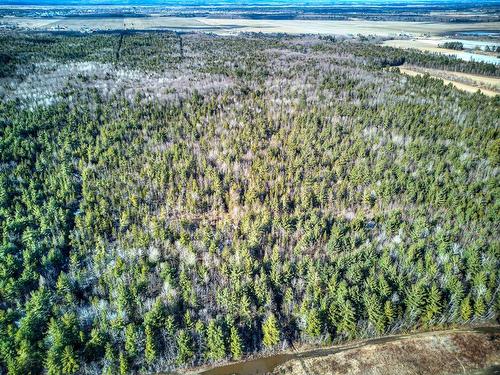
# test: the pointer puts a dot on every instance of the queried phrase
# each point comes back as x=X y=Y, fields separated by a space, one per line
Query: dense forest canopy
x=169 y=200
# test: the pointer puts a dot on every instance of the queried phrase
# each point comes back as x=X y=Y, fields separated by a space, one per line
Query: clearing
x=432 y=45
x=489 y=86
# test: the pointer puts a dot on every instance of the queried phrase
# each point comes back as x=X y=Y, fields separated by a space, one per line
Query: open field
x=435 y=353
x=232 y=26
x=432 y=45
x=380 y=28
x=463 y=81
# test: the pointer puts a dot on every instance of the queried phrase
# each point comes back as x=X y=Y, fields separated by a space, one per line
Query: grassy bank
x=436 y=352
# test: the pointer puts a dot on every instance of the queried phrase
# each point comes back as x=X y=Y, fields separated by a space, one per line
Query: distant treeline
x=453 y=45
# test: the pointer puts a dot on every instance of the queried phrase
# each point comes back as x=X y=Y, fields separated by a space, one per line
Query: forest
x=453 y=45
x=169 y=200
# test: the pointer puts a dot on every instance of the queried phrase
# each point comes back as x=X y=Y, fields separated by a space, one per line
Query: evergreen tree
x=479 y=307
x=333 y=316
x=389 y=311
x=131 y=340
x=313 y=323
x=184 y=347
x=433 y=304
x=56 y=349
x=124 y=368
x=109 y=360
x=69 y=361
x=270 y=331
x=375 y=312
x=466 y=309
x=215 y=341
x=150 y=345
x=347 y=323
x=236 y=345
x=415 y=300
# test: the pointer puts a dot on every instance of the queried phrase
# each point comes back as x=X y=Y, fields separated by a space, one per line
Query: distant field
x=232 y=26
x=431 y=45
x=463 y=81
x=381 y=28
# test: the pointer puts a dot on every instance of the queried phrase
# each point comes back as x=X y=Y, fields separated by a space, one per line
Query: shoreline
x=307 y=351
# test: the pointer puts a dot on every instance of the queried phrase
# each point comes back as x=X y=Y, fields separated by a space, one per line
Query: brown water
x=265 y=365
x=258 y=366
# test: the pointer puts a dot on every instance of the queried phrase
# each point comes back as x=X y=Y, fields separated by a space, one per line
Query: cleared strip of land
x=489 y=86
x=432 y=45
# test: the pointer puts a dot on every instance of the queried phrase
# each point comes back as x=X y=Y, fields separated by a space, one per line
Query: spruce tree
x=347 y=324
x=150 y=345
x=466 y=309
x=69 y=361
x=124 y=368
x=375 y=312
x=131 y=340
x=479 y=307
x=313 y=324
x=389 y=311
x=215 y=341
x=236 y=345
x=415 y=300
x=433 y=304
x=270 y=331
x=184 y=347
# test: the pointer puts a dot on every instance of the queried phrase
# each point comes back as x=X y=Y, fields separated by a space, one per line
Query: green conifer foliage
x=236 y=344
x=270 y=331
x=216 y=348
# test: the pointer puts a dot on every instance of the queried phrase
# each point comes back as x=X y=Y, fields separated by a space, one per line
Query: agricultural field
x=473 y=51
x=232 y=26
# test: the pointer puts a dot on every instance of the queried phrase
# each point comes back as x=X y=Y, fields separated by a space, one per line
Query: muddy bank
x=441 y=353
x=475 y=351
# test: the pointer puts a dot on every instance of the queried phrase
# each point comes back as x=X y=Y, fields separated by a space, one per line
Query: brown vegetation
x=441 y=353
